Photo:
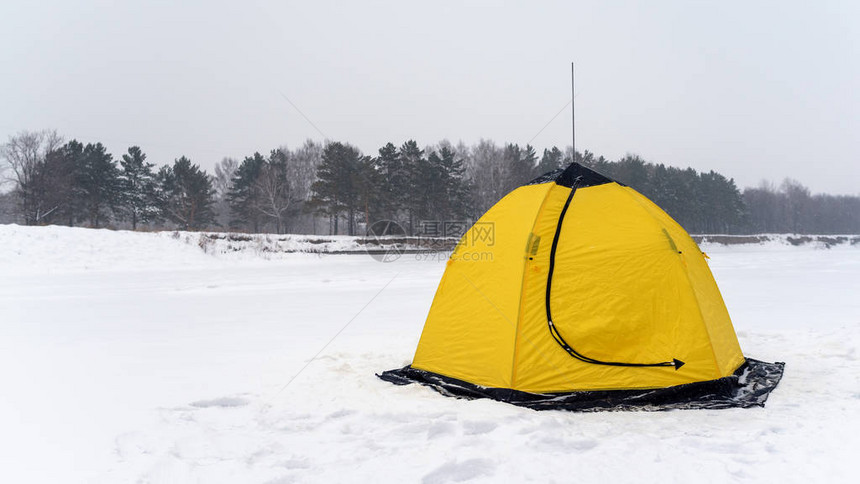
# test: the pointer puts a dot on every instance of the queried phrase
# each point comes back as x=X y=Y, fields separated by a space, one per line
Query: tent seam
x=689 y=283
x=522 y=290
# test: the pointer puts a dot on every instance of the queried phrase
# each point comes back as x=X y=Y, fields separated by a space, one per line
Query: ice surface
x=132 y=357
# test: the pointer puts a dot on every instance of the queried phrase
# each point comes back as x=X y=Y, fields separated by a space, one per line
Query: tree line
x=333 y=188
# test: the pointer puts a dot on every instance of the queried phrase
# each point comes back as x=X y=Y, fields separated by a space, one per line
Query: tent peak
x=574 y=173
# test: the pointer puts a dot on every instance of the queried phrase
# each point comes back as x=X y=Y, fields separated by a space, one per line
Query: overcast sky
x=754 y=90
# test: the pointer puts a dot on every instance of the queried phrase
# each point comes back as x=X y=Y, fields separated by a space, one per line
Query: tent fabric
x=575 y=283
x=749 y=386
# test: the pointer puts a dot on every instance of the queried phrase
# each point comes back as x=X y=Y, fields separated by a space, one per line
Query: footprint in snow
x=284 y=480
x=295 y=464
x=223 y=402
x=440 y=429
x=339 y=414
x=479 y=427
x=560 y=444
x=582 y=445
x=453 y=471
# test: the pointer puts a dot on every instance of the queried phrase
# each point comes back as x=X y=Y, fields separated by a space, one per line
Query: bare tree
x=4 y=178
x=488 y=173
x=276 y=198
x=302 y=173
x=24 y=156
x=225 y=170
x=8 y=208
x=797 y=202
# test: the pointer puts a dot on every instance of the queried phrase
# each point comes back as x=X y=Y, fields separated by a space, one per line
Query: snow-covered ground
x=130 y=357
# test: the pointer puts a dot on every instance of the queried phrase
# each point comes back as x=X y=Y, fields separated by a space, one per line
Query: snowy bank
x=136 y=357
x=64 y=248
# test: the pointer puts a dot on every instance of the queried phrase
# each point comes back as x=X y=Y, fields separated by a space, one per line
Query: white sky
x=753 y=90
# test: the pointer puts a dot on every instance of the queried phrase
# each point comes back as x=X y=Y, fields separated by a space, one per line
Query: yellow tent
x=575 y=291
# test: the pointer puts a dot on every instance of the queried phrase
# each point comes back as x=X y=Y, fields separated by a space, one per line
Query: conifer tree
x=186 y=194
x=98 y=182
x=371 y=195
x=413 y=196
x=392 y=181
x=244 y=195
x=456 y=187
x=430 y=191
x=528 y=163
x=71 y=164
x=552 y=159
x=521 y=164
x=337 y=189
x=137 y=187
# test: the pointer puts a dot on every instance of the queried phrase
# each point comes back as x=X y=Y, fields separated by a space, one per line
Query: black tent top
x=573 y=174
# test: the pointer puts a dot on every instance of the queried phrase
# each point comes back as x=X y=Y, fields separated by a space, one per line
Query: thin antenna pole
x=572 y=113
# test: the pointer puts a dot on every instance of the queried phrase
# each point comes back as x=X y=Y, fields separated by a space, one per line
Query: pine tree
x=521 y=164
x=529 y=163
x=663 y=191
x=186 y=194
x=371 y=195
x=443 y=197
x=137 y=188
x=430 y=193
x=98 y=181
x=244 y=195
x=632 y=170
x=456 y=195
x=392 y=180
x=552 y=159
x=413 y=195
x=57 y=179
x=72 y=162
x=338 y=187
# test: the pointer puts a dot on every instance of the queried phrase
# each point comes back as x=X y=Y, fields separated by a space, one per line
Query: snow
x=141 y=357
